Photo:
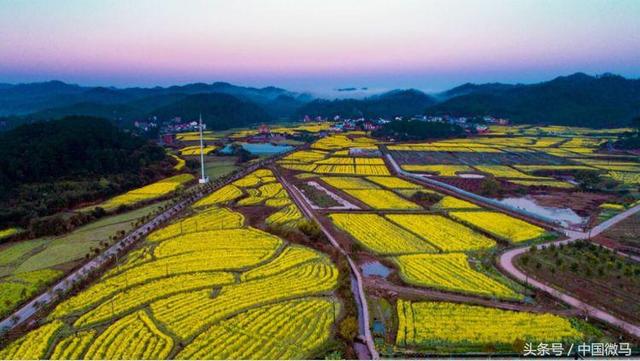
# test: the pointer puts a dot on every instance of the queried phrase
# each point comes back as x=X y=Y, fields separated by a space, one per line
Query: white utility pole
x=203 y=177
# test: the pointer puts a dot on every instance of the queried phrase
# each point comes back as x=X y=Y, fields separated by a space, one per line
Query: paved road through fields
x=27 y=311
x=506 y=264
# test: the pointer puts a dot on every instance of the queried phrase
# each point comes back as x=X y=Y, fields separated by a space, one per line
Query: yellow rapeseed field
x=348 y=183
x=450 y=272
x=148 y=192
x=7 y=232
x=500 y=225
x=394 y=183
x=442 y=232
x=195 y=150
x=504 y=171
x=225 y=194
x=180 y=163
x=205 y=287
x=442 y=323
x=381 y=199
x=445 y=170
x=453 y=203
x=379 y=235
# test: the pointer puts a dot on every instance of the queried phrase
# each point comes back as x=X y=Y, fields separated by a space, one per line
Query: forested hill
x=230 y=106
x=395 y=103
x=219 y=111
x=578 y=99
x=49 y=166
x=69 y=147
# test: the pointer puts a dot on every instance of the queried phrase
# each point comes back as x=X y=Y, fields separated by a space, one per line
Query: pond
x=378 y=328
x=260 y=148
x=375 y=268
x=566 y=216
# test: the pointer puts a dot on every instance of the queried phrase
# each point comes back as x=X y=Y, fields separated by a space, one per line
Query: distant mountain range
x=579 y=99
x=394 y=103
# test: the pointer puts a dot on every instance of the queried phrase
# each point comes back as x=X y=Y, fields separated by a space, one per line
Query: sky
x=316 y=45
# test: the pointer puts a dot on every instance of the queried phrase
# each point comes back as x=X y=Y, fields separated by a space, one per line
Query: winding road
x=357 y=279
x=507 y=265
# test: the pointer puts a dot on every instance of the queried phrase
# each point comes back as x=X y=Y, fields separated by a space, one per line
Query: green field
x=216 y=167
x=28 y=266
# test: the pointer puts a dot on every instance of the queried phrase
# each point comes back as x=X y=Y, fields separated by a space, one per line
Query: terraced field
x=259 y=188
x=206 y=286
x=27 y=267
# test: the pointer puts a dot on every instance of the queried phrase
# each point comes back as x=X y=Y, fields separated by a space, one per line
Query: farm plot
x=450 y=272
x=444 y=170
x=381 y=199
x=379 y=235
x=503 y=171
x=304 y=156
x=433 y=325
x=626 y=178
x=350 y=169
x=195 y=136
x=195 y=150
x=180 y=163
x=148 y=192
x=394 y=183
x=205 y=292
x=500 y=225
x=480 y=157
x=543 y=183
x=27 y=267
x=449 y=203
x=442 y=232
x=348 y=183
x=594 y=274
x=8 y=232
x=257 y=188
x=341 y=141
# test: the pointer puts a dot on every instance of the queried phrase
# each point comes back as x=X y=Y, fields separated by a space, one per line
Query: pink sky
x=316 y=44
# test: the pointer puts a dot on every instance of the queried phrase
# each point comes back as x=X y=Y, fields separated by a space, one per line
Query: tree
x=587 y=179
x=417 y=130
x=348 y=328
x=490 y=187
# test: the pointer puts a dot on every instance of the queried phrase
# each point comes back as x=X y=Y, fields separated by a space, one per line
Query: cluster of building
x=477 y=124
x=177 y=125
x=266 y=135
